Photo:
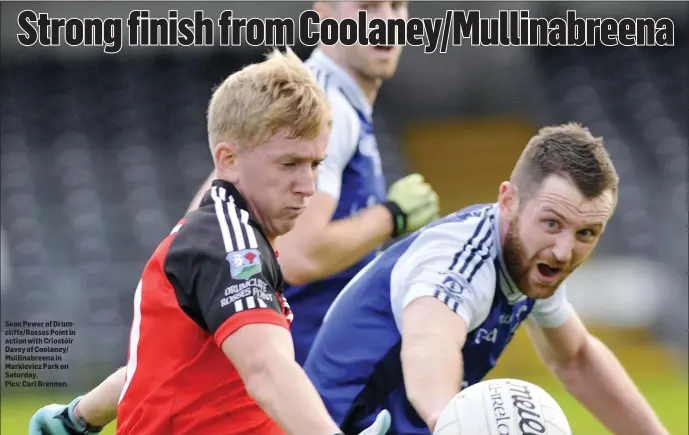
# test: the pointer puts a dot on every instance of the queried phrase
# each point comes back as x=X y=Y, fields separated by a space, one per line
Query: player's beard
x=519 y=265
x=514 y=254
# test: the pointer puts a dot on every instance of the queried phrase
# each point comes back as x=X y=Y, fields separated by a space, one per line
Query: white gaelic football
x=503 y=407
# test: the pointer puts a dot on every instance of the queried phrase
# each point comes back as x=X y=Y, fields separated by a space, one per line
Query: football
x=503 y=407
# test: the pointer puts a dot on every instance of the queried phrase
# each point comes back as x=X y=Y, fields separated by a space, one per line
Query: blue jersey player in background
x=351 y=215
x=434 y=312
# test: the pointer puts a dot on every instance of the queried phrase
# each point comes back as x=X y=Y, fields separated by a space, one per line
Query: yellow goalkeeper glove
x=413 y=203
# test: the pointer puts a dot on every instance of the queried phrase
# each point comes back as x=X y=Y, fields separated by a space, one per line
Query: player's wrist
x=78 y=421
x=399 y=218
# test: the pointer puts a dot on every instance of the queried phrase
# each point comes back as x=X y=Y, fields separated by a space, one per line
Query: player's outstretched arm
x=99 y=406
x=318 y=247
x=593 y=375
x=432 y=341
x=443 y=294
x=263 y=355
x=86 y=414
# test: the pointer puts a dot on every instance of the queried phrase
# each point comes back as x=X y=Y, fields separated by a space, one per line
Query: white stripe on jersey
x=243 y=231
x=219 y=213
x=251 y=302
x=236 y=226
x=477 y=249
x=244 y=217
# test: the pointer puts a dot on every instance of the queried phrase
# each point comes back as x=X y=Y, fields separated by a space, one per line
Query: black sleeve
x=222 y=289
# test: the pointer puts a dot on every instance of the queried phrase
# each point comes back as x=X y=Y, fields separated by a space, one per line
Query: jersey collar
x=225 y=192
x=228 y=193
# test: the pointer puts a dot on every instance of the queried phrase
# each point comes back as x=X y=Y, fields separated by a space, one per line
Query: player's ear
x=508 y=198
x=225 y=157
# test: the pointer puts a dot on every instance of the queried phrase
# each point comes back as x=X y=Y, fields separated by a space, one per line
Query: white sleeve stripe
x=446 y=299
x=250 y=302
x=471 y=248
x=244 y=217
x=224 y=228
x=453 y=304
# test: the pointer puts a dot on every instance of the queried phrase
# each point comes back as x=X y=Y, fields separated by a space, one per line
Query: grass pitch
x=667 y=393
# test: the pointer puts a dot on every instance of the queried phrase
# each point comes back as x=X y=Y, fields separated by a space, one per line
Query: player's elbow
x=257 y=383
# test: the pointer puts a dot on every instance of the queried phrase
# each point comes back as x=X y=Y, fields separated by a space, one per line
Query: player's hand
x=413 y=204
x=59 y=420
x=380 y=426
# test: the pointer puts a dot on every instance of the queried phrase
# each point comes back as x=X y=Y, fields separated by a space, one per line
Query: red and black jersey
x=214 y=274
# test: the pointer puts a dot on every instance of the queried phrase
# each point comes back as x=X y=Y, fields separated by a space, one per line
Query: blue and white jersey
x=355 y=361
x=352 y=174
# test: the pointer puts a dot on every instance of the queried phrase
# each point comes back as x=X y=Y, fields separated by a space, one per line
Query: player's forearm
x=339 y=245
x=600 y=383
x=433 y=373
x=285 y=393
x=99 y=406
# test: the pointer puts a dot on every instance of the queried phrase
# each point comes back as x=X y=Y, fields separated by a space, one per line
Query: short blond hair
x=278 y=95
